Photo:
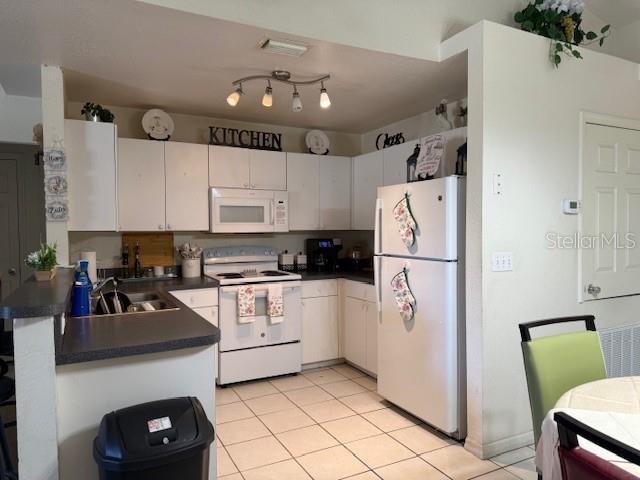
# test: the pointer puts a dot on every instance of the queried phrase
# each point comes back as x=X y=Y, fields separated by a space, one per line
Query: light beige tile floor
x=329 y=424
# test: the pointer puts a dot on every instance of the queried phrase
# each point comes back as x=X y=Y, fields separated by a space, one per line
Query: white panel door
x=395 y=162
x=268 y=170
x=91 y=175
x=229 y=167
x=335 y=192
x=186 y=170
x=141 y=189
x=319 y=329
x=418 y=359
x=304 y=191
x=610 y=215
x=435 y=206
x=355 y=328
x=367 y=177
x=371 y=310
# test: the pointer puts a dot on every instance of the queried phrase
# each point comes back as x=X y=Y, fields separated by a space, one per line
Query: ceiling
x=133 y=54
x=618 y=13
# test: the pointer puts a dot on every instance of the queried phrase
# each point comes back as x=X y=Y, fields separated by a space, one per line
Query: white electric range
x=259 y=349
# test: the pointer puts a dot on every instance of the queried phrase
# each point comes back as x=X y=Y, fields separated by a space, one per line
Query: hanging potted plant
x=95 y=112
x=561 y=22
x=43 y=261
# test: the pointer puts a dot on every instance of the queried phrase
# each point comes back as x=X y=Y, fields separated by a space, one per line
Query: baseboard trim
x=490 y=450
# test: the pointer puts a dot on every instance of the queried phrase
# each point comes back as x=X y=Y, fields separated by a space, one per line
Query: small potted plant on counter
x=43 y=261
x=95 y=112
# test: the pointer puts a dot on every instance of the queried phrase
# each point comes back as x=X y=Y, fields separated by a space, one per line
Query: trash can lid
x=152 y=434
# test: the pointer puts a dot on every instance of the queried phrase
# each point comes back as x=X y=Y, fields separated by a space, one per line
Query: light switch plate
x=502 y=262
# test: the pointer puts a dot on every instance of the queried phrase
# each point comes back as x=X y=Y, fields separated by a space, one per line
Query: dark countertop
x=113 y=336
x=39 y=299
x=365 y=276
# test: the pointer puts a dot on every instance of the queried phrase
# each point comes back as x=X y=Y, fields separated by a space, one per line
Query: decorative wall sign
x=233 y=137
x=55 y=184
x=384 y=140
x=431 y=155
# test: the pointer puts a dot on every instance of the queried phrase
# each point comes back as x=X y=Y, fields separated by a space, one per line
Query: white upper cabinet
x=229 y=167
x=268 y=170
x=319 y=192
x=186 y=170
x=367 y=177
x=91 y=175
x=395 y=162
x=303 y=171
x=141 y=185
x=335 y=193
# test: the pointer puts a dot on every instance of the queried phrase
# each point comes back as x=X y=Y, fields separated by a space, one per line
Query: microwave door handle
x=271 y=207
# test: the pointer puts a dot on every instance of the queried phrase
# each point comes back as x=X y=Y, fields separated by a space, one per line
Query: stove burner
x=274 y=273
x=230 y=275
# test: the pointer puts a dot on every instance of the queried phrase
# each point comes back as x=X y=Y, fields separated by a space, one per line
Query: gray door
x=9 y=231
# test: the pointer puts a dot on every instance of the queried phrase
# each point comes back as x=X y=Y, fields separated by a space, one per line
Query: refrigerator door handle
x=377 y=275
x=377 y=240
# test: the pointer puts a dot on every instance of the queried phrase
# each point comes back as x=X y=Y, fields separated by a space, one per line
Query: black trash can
x=166 y=439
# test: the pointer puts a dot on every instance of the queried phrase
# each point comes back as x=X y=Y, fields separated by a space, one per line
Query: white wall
x=18 y=115
x=414 y=127
x=195 y=129
x=527 y=129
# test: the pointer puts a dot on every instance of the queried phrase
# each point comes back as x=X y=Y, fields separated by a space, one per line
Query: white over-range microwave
x=234 y=210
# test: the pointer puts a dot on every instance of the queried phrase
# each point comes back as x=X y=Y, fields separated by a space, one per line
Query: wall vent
x=283 y=47
x=621 y=348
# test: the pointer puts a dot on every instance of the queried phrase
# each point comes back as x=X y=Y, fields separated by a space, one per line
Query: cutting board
x=155 y=248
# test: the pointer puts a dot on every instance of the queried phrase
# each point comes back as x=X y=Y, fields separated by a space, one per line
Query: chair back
x=579 y=464
x=556 y=364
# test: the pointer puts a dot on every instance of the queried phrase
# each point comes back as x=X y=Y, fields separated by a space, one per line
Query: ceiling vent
x=283 y=47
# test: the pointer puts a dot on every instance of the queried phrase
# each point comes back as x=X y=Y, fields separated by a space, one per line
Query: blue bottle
x=81 y=292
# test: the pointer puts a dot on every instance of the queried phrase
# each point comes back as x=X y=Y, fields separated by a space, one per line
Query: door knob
x=593 y=290
x=12 y=271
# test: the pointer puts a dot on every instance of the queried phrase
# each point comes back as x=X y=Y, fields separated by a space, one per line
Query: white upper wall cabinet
x=367 y=177
x=395 y=162
x=187 y=188
x=335 y=193
x=268 y=170
x=91 y=175
x=229 y=167
x=303 y=172
x=141 y=185
x=319 y=192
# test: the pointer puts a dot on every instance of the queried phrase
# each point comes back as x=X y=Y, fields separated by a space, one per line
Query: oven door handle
x=263 y=288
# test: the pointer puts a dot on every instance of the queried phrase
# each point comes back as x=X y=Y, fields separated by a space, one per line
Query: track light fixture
x=281 y=76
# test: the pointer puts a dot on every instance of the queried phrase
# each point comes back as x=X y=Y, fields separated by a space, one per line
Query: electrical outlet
x=502 y=262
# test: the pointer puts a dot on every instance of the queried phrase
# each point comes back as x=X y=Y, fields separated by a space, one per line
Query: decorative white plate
x=158 y=124
x=317 y=142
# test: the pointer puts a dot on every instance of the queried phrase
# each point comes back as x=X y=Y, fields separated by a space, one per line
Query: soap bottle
x=137 y=268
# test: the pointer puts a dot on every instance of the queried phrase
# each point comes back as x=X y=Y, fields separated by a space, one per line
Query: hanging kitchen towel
x=405 y=222
x=246 y=304
x=275 y=303
x=404 y=298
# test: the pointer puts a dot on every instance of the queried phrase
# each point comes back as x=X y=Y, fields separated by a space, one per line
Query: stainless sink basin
x=141 y=302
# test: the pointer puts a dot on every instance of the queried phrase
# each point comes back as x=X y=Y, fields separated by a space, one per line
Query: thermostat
x=570 y=207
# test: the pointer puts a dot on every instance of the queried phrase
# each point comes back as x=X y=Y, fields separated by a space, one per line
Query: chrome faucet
x=103 y=283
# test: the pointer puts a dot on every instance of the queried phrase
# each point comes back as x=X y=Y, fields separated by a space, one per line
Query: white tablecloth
x=611 y=406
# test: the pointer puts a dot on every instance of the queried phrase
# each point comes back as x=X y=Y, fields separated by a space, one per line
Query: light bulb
x=325 y=101
x=267 y=98
x=296 y=104
x=234 y=97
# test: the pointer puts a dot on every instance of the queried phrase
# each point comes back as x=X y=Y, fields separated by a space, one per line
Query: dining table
x=611 y=406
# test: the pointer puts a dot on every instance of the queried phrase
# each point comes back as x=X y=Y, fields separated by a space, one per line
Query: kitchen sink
x=140 y=303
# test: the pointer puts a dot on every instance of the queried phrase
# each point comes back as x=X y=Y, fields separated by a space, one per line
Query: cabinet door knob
x=168 y=226
x=262 y=335
x=161 y=227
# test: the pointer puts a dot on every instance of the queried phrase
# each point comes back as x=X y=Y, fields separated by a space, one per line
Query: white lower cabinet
x=204 y=302
x=360 y=326
x=319 y=321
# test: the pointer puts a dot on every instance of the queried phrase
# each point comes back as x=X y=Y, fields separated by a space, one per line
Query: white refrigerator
x=421 y=354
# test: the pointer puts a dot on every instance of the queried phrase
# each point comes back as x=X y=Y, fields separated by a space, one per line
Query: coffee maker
x=322 y=254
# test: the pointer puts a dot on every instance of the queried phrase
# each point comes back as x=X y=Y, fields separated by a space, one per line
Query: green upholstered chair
x=555 y=364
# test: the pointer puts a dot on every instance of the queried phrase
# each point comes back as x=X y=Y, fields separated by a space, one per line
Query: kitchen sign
x=233 y=137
